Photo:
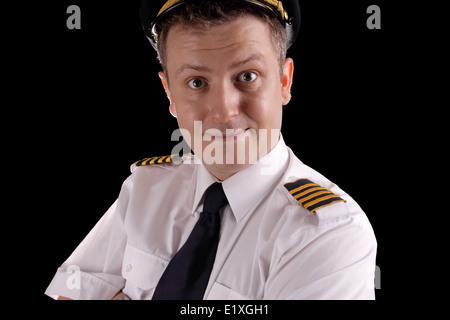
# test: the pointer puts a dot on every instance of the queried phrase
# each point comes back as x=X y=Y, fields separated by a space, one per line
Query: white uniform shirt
x=270 y=247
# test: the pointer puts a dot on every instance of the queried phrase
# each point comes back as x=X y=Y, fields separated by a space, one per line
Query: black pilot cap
x=287 y=12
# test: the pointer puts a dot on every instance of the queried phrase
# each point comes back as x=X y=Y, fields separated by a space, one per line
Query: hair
x=209 y=13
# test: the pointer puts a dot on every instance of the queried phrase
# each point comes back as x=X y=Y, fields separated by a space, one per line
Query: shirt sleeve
x=338 y=264
x=94 y=270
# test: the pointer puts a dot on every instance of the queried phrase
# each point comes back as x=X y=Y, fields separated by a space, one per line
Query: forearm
x=121 y=296
x=118 y=296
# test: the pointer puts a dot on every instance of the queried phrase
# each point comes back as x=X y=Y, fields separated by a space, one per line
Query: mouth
x=229 y=135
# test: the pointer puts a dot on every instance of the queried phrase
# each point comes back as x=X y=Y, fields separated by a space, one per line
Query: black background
x=95 y=105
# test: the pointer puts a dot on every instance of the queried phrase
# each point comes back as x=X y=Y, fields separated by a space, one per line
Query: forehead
x=244 y=35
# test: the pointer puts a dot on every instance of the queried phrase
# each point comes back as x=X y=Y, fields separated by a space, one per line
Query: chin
x=224 y=171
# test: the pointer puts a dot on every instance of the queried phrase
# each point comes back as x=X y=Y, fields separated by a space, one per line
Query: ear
x=286 y=81
x=164 y=81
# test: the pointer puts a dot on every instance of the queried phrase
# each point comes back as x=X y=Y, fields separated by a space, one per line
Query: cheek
x=187 y=111
x=189 y=117
x=265 y=109
x=186 y=122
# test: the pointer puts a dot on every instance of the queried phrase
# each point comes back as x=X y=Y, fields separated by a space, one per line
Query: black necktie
x=187 y=274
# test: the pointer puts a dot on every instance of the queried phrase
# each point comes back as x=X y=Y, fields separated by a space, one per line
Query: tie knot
x=214 y=198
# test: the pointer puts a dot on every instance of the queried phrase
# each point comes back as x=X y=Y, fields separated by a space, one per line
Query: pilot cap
x=152 y=12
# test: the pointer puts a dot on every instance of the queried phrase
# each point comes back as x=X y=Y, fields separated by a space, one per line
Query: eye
x=247 y=76
x=196 y=83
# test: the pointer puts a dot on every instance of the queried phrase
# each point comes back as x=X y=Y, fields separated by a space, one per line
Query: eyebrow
x=190 y=66
x=253 y=57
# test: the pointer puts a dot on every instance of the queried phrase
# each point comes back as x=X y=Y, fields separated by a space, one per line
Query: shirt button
x=128 y=268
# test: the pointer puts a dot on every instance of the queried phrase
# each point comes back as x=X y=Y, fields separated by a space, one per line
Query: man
x=243 y=218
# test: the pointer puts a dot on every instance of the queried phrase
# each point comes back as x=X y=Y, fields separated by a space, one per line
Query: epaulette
x=311 y=195
x=174 y=158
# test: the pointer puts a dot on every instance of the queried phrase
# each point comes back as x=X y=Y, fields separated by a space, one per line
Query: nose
x=223 y=103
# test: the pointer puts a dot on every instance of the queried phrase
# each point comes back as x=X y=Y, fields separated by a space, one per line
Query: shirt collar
x=247 y=187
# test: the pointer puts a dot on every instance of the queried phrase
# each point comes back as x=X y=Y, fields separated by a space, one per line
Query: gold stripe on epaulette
x=154 y=160
x=311 y=195
x=174 y=158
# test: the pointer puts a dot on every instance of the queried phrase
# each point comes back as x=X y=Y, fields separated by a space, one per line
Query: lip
x=234 y=135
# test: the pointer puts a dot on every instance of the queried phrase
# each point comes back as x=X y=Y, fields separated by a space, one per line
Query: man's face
x=224 y=86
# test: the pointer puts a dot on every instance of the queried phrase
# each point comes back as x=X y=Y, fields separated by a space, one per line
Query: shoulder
x=166 y=162
x=157 y=161
x=153 y=170
x=310 y=193
x=154 y=176
x=325 y=201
